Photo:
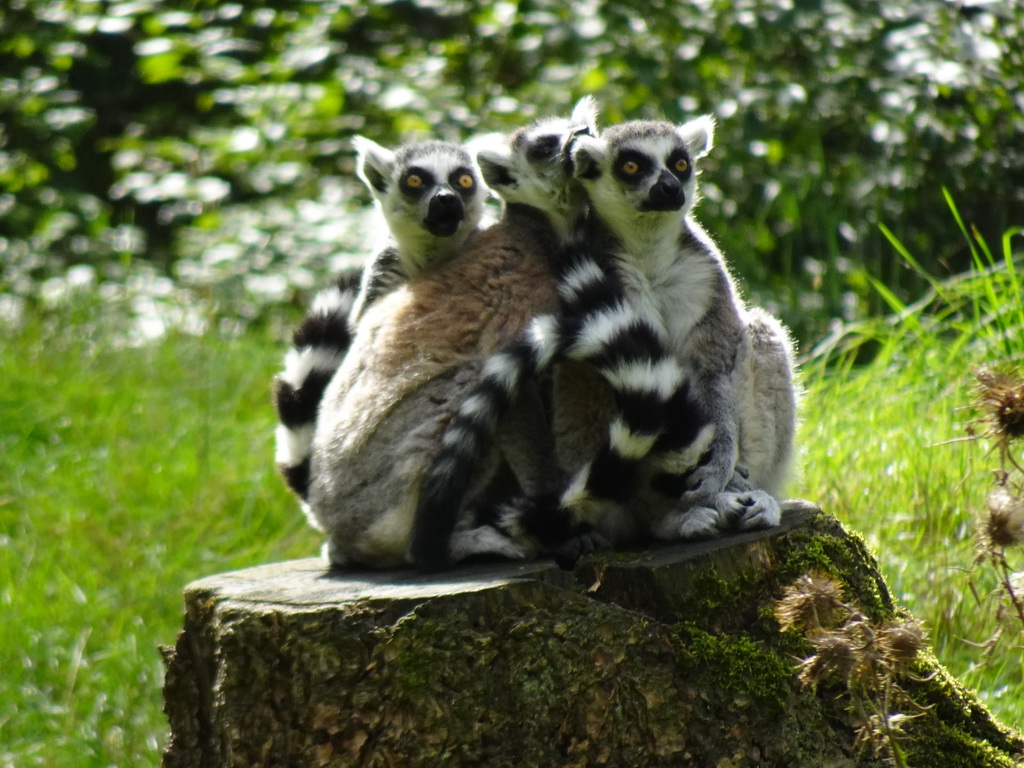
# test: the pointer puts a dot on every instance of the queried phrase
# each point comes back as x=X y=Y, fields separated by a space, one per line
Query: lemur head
x=534 y=165
x=643 y=167
x=429 y=192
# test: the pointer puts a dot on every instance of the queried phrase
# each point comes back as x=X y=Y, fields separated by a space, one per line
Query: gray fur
x=740 y=360
x=379 y=426
x=363 y=492
x=407 y=248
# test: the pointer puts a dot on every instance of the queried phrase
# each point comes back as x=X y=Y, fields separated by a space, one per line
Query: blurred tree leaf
x=832 y=116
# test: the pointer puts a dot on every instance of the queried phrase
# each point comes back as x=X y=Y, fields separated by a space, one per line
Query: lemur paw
x=749 y=510
x=486 y=540
x=694 y=523
x=699 y=498
x=704 y=484
x=699 y=523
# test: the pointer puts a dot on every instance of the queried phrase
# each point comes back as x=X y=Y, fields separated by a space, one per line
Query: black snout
x=444 y=214
x=666 y=194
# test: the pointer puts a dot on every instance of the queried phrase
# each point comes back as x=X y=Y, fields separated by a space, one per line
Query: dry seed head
x=1002 y=524
x=836 y=657
x=1001 y=395
x=812 y=602
x=900 y=642
x=868 y=661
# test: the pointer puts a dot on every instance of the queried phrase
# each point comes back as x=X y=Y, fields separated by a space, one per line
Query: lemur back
x=431 y=199
x=417 y=351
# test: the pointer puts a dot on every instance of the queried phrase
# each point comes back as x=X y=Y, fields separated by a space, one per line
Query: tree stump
x=665 y=657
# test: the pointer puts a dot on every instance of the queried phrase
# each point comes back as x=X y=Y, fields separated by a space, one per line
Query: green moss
x=930 y=736
x=716 y=599
x=826 y=546
x=933 y=687
x=740 y=666
x=540 y=687
x=409 y=653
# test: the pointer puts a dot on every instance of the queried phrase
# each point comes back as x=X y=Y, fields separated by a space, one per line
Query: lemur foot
x=749 y=510
x=333 y=556
x=694 y=523
x=486 y=540
x=554 y=529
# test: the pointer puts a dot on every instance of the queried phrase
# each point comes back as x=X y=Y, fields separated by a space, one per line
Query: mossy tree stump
x=670 y=657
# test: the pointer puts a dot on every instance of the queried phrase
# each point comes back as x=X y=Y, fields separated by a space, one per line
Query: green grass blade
x=963 y=228
x=983 y=246
x=937 y=285
x=907 y=316
x=1011 y=268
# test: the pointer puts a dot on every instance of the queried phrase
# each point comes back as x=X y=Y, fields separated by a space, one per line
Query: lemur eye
x=682 y=164
x=466 y=181
x=630 y=167
x=412 y=180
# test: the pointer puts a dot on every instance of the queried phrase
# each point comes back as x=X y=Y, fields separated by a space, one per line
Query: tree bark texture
x=665 y=657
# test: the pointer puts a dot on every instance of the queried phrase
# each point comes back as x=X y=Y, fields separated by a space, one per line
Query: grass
x=127 y=472
x=885 y=452
x=124 y=474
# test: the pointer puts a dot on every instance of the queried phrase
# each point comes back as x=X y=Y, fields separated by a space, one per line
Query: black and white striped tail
x=319 y=345
x=597 y=326
x=468 y=437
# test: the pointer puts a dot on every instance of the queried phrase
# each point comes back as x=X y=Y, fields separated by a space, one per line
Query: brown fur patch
x=464 y=311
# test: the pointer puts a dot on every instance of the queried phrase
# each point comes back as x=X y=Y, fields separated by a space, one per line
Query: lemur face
x=534 y=165
x=432 y=185
x=643 y=166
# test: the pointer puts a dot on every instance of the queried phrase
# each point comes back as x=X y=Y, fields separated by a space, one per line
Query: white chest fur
x=671 y=287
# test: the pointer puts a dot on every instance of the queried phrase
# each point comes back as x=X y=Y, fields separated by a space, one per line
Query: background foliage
x=171 y=168
x=208 y=139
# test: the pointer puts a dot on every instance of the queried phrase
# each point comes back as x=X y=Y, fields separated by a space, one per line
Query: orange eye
x=630 y=167
x=412 y=180
x=466 y=181
x=681 y=165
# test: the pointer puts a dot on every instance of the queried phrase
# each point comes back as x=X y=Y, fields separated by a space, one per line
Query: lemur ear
x=698 y=135
x=584 y=115
x=374 y=164
x=587 y=154
x=496 y=167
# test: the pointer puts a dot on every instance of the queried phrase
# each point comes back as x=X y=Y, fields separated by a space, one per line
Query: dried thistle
x=849 y=653
x=869 y=669
x=836 y=658
x=849 y=648
x=812 y=602
x=1001 y=524
x=1000 y=396
x=900 y=642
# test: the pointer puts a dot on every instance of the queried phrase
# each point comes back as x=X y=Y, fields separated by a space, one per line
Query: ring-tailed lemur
x=641 y=183
x=431 y=200
x=418 y=350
